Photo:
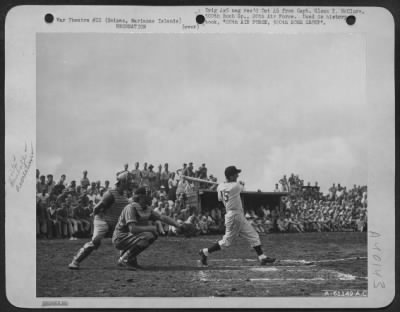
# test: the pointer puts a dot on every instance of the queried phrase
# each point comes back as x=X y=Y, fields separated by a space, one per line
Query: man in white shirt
x=235 y=221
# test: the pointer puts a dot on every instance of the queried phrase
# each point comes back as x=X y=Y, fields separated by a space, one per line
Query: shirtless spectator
x=124 y=170
x=164 y=178
x=137 y=176
x=85 y=183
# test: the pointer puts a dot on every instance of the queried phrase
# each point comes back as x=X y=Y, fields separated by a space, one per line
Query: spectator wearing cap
x=85 y=183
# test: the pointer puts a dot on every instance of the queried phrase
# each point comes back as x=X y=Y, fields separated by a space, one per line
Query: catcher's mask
x=142 y=197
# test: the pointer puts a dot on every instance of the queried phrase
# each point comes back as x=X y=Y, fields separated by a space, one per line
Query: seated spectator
x=283 y=224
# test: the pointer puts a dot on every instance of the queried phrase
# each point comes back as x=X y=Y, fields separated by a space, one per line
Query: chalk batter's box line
x=301 y=261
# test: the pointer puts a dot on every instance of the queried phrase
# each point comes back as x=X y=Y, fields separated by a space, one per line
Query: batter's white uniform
x=235 y=222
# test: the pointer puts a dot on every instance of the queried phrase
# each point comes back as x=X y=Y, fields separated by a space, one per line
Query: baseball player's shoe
x=74 y=265
x=203 y=258
x=125 y=264
x=267 y=260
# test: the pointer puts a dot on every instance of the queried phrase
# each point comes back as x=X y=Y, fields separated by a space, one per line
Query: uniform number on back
x=225 y=196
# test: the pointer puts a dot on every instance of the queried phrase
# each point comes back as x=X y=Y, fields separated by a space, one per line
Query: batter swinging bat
x=199 y=180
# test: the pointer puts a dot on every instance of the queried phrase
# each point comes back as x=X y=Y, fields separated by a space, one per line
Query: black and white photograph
x=203 y=162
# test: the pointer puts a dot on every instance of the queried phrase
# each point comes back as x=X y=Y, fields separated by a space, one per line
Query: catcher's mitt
x=187 y=230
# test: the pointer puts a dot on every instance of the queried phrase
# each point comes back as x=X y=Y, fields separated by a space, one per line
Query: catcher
x=134 y=231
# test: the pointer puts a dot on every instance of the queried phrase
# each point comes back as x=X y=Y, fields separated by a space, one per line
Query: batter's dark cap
x=141 y=191
x=231 y=170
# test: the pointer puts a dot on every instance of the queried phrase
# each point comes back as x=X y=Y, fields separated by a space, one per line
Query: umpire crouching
x=134 y=231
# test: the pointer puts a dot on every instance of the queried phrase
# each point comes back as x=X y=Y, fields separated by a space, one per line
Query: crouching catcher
x=134 y=231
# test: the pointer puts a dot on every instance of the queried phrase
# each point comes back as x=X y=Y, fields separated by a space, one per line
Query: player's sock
x=260 y=257
x=258 y=250
x=213 y=248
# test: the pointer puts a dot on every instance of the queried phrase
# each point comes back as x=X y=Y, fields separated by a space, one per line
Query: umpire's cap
x=231 y=170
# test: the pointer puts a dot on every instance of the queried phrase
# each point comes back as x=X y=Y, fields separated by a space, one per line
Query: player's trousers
x=237 y=225
x=131 y=245
x=100 y=229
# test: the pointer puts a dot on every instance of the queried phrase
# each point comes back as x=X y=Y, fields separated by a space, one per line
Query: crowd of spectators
x=65 y=209
x=306 y=209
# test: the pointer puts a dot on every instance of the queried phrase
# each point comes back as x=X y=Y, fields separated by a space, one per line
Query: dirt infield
x=171 y=268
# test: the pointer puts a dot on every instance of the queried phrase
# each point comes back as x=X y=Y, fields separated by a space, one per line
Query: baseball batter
x=106 y=214
x=134 y=231
x=235 y=222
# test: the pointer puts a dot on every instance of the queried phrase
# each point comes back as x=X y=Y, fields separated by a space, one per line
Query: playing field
x=171 y=268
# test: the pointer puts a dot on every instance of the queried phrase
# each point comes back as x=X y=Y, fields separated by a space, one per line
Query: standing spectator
x=164 y=178
x=136 y=176
x=190 y=170
x=145 y=176
x=85 y=180
x=62 y=217
x=43 y=222
x=332 y=192
x=172 y=187
x=158 y=177
x=37 y=176
x=55 y=227
x=98 y=186
x=152 y=176
x=60 y=186
x=106 y=186
x=122 y=171
x=276 y=190
x=184 y=170
x=203 y=172
x=42 y=185
x=50 y=183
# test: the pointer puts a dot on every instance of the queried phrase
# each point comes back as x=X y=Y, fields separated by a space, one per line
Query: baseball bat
x=199 y=180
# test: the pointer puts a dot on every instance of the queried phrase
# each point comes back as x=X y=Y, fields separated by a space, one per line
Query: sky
x=268 y=104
